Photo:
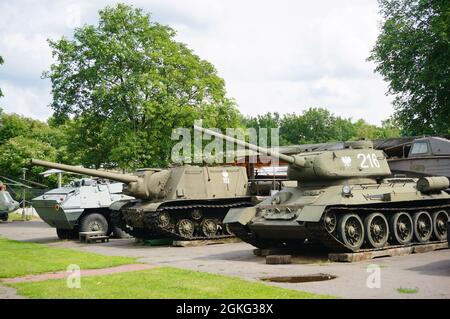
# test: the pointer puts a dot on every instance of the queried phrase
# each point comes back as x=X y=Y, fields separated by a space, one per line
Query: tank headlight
x=346 y=190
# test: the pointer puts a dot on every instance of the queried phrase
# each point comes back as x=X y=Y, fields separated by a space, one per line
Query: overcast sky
x=283 y=56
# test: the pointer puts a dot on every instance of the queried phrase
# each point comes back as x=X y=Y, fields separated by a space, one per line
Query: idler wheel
x=423 y=226
x=377 y=230
x=351 y=231
x=440 y=220
x=186 y=228
x=209 y=227
x=402 y=229
x=330 y=221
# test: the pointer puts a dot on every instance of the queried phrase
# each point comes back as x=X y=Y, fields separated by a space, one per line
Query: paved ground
x=429 y=273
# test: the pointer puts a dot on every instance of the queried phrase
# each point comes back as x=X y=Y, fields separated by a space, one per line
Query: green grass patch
x=164 y=282
x=21 y=258
x=13 y=217
x=407 y=290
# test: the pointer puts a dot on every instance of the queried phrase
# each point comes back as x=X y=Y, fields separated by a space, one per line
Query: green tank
x=345 y=199
x=7 y=203
x=182 y=203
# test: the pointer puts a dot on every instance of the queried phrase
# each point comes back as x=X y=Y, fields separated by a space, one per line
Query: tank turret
x=145 y=184
x=357 y=162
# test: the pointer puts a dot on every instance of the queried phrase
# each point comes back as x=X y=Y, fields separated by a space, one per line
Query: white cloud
x=280 y=56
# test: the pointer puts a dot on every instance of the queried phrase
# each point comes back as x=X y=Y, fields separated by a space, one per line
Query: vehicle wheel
x=440 y=220
x=185 y=228
x=351 y=231
x=93 y=222
x=423 y=226
x=209 y=227
x=227 y=229
x=196 y=214
x=4 y=218
x=164 y=219
x=330 y=221
x=402 y=228
x=376 y=229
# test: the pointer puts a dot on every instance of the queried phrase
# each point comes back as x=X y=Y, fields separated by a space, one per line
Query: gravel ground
x=427 y=274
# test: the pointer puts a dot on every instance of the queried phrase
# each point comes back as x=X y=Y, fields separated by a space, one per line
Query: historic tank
x=7 y=203
x=183 y=203
x=80 y=206
x=346 y=200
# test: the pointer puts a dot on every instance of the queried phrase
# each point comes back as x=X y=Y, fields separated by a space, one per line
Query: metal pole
x=24 y=172
x=59 y=179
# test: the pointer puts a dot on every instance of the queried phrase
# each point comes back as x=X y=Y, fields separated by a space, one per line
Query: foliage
x=412 y=53
x=127 y=83
x=160 y=283
x=1 y=62
x=318 y=125
x=20 y=258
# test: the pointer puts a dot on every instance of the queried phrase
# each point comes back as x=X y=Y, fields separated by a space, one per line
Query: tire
x=422 y=235
x=373 y=234
x=93 y=222
x=401 y=227
x=346 y=236
x=440 y=221
x=4 y=218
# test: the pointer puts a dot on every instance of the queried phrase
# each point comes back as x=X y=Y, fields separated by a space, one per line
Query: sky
x=275 y=56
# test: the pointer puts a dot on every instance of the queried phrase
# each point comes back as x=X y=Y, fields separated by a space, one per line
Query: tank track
x=153 y=226
x=318 y=232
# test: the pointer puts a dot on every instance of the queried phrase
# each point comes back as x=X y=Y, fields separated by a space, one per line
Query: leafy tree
x=127 y=83
x=412 y=53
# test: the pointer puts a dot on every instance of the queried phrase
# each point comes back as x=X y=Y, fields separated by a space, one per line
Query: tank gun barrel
x=124 y=178
x=256 y=148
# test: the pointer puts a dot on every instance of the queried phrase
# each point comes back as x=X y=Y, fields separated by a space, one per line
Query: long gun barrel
x=124 y=178
x=259 y=149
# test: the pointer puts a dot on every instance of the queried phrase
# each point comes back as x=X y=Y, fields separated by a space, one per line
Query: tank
x=80 y=206
x=183 y=203
x=346 y=200
x=7 y=203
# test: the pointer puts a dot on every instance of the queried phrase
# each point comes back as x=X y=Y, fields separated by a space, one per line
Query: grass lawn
x=164 y=282
x=19 y=259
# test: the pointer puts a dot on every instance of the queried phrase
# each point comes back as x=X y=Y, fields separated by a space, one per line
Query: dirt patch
x=87 y=272
x=9 y=293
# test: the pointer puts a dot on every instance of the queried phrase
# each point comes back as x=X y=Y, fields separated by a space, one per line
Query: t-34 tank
x=184 y=203
x=346 y=200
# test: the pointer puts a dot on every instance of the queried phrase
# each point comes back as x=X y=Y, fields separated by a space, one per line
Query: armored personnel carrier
x=7 y=203
x=346 y=200
x=81 y=206
x=184 y=203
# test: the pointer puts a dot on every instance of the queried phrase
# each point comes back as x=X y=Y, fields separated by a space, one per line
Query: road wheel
x=186 y=228
x=423 y=226
x=440 y=220
x=351 y=231
x=330 y=221
x=209 y=227
x=402 y=228
x=93 y=222
x=4 y=217
x=376 y=229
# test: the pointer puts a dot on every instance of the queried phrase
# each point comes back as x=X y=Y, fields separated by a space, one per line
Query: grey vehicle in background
x=418 y=157
x=81 y=206
x=7 y=203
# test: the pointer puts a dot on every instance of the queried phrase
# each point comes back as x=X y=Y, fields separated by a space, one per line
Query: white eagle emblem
x=225 y=177
x=347 y=161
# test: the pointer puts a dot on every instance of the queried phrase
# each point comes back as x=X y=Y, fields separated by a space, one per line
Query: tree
x=127 y=83
x=412 y=53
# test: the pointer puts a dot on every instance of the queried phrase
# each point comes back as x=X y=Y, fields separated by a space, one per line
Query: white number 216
x=368 y=160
